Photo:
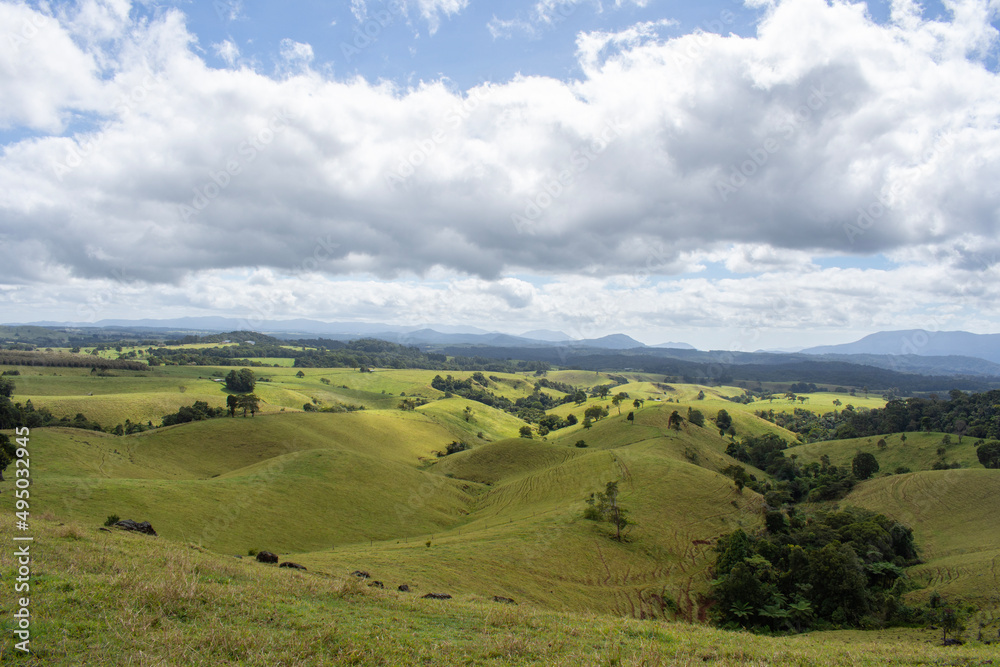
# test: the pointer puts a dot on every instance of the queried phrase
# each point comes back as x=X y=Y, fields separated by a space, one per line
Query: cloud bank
x=825 y=135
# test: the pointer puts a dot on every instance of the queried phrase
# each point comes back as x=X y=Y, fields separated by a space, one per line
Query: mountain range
x=425 y=334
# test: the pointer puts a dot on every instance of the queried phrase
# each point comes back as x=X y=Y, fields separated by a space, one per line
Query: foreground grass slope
x=953 y=516
x=119 y=599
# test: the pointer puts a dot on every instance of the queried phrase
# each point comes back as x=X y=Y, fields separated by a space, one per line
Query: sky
x=749 y=175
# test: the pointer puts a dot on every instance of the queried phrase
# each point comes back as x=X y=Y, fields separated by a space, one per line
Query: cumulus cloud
x=823 y=134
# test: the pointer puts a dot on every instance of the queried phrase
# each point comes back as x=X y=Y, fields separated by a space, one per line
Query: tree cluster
x=836 y=569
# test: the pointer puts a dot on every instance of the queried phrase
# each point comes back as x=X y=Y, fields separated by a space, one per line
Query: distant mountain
x=430 y=334
x=921 y=343
x=676 y=346
x=612 y=342
x=547 y=335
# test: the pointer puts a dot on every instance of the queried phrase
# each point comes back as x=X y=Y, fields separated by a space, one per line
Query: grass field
x=121 y=599
x=367 y=490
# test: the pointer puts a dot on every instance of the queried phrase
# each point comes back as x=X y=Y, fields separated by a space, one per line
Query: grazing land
x=374 y=489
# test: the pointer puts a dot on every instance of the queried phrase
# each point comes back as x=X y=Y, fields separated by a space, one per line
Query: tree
x=631 y=418
x=837 y=402
x=241 y=382
x=603 y=506
x=248 y=403
x=675 y=421
x=616 y=401
x=6 y=387
x=232 y=402
x=989 y=455
x=696 y=417
x=723 y=421
x=587 y=423
x=864 y=465
x=701 y=395
x=8 y=453
x=961 y=426
x=300 y=374
x=637 y=403
x=580 y=397
x=525 y=431
x=595 y=412
x=467 y=413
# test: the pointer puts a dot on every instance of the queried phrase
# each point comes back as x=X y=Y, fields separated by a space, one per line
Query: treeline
x=323 y=353
x=14 y=415
x=973 y=415
x=19 y=358
x=715 y=368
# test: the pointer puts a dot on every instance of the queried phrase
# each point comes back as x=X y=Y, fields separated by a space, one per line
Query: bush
x=581 y=443
x=112 y=520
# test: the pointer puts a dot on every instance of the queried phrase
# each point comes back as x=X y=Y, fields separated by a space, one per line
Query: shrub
x=112 y=520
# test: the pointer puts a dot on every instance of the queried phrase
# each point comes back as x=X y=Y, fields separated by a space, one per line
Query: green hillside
x=114 y=598
x=371 y=490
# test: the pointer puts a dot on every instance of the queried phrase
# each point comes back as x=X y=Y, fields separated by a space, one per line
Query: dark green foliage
x=112 y=520
x=675 y=420
x=192 y=413
x=241 y=381
x=830 y=569
x=454 y=447
x=989 y=454
x=13 y=358
x=595 y=412
x=974 y=415
x=14 y=415
x=581 y=444
x=696 y=417
x=723 y=421
x=525 y=431
x=814 y=482
x=8 y=453
x=864 y=465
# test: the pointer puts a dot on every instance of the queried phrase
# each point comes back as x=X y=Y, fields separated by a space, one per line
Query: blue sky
x=767 y=173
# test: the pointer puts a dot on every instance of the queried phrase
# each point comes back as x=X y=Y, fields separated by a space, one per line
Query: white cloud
x=293 y=51
x=432 y=11
x=360 y=9
x=823 y=135
x=228 y=51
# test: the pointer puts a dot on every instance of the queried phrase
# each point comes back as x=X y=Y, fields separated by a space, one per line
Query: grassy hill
x=951 y=513
x=367 y=490
x=121 y=599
